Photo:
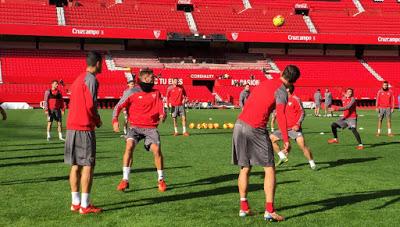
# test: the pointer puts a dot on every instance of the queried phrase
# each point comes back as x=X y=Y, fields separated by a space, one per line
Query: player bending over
x=349 y=118
x=145 y=111
x=251 y=143
x=294 y=115
x=385 y=107
x=54 y=109
x=176 y=98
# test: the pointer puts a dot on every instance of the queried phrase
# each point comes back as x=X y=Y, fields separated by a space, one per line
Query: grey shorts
x=317 y=104
x=80 y=148
x=328 y=104
x=178 y=111
x=150 y=136
x=291 y=133
x=350 y=123
x=251 y=146
x=54 y=115
x=385 y=112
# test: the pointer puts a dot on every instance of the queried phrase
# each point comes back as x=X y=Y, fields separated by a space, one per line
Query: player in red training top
x=295 y=116
x=54 y=108
x=385 y=107
x=349 y=118
x=130 y=84
x=80 y=144
x=145 y=110
x=251 y=143
x=176 y=98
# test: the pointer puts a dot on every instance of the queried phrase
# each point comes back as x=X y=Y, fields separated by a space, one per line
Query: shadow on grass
x=341 y=162
x=383 y=144
x=32 y=156
x=35 y=148
x=185 y=196
x=202 y=134
x=346 y=200
x=41 y=162
x=96 y=176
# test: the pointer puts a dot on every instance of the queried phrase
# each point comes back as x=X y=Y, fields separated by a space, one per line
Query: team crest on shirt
x=140 y=97
x=154 y=96
x=289 y=103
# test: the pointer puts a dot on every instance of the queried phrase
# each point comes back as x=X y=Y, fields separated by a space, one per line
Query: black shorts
x=54 y=115
x=251 y=146
x=80 y=148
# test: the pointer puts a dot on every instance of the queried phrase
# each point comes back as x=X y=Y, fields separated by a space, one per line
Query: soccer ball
x=191 y=125
x=204 y=125
x=198 y=126
x=210 y=125
x=278 y=21
x=216 y=125
x=230 y=125
x=225 y=126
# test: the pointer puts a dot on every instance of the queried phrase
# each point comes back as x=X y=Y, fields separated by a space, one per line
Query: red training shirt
x=294 y=112
x=385 y=99
x=349 y=108
x=144 y=108
x=53 y=100
x=176 y=95
x=270 y=94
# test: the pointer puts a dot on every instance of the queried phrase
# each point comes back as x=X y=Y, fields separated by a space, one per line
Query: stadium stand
x=27 y=13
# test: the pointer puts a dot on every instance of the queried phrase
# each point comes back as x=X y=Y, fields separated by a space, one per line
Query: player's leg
x=86 y=187
x=275 y=138
x=306 y=151
x=3 y=113
x=48 y=129
x=269 y=190
x=59 y=129
x=185 y=133
x=380 y=119
x=175 y=126
x=243 y=183
x=74 y=182
x=334 y=127
x=389 y=122
x=273 y=118
x=159 y=163
x=358 y=138
x=126 y=164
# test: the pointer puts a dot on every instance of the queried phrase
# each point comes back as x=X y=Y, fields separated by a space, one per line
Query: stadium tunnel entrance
x=207 y=83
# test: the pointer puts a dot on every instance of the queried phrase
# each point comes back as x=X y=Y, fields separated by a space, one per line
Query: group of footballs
x=278 y=20
x=210 y=125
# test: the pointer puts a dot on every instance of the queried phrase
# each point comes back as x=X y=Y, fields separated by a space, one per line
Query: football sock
x=60 y=135
x=379 y=131
x=160 y=174
x=281 y=155
x=244 y=204
x=389 y=131
x=76 y=199
x=48 y=134
x=272 y=130
x=312 y=163
x=176 y=129
x=269 y=207
x=357 y=135
x=125 y=173
x=334 y=127
x=184 y=129
x=85 y=200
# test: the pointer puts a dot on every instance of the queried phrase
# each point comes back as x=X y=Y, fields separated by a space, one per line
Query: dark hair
x=54 y=81
x=385 y=82
x=145 y=71
x=290 y=88
x=349 y=88
x=92 y=58
x=318 y=90
x=291 y=73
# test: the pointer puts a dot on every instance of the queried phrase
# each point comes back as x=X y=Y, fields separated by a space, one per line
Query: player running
x=176 y=98
x=131 y=84
x=244 y=95
x=54 y=109
x=385 y=107
x=251 y=143
x=145 y=110
x=349 y=118
x=317 y=100
x=295 y=116
x=80 y=144
x=328 y=103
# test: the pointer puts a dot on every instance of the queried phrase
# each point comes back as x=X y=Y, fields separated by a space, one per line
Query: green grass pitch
x=351 y=188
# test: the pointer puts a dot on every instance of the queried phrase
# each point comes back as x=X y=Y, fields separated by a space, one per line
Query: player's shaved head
x=291 y=73
x=385 y=85
x=94 y=62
